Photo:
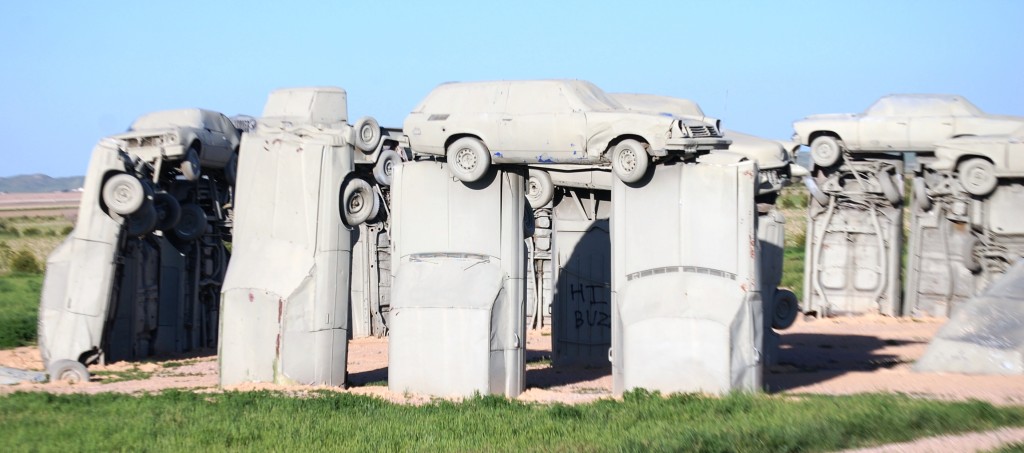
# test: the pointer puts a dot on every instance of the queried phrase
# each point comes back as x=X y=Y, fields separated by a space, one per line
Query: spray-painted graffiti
x=591 y=303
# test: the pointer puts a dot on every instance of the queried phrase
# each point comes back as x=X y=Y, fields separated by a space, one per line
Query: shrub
x=32 y=231
x=67 y=230
x=25 y=262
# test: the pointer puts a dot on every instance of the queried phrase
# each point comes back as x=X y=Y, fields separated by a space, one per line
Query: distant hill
x=39 y=183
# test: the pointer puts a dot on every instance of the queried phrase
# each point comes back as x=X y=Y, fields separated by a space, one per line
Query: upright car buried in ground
x=547 y=122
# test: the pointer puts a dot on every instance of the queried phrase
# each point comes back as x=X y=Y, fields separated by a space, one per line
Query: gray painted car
x=193 y=137
x=981 y=161
x=773 y=158
x=898 y=122
x=547 y=122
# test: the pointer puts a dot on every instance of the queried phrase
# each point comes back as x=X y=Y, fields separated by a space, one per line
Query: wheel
x=191 y=223
x=815 y=191
x=539 y=188
x=374 y=210
x=143 y=221
x=885 y=181
x=921 y=200
x=190 y=165
x=168 y=211
x=468 y=159
x=826 y=151
x=231 y=169
x=977 y=176
x=123 y=194
x=630 y=161
x=68 y=371
x=367 y=133
x=967 y=255
x=357 y=200
x=384 y=169
x=787 y=306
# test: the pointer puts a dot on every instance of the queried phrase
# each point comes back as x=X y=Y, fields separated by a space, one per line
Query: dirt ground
x=822 y=356
x=40 y=204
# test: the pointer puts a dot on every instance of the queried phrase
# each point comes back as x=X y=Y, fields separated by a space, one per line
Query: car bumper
x=692 y=145
x=152 y=153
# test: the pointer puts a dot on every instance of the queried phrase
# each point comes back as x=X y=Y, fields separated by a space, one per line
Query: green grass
x=262 y=421
x=793 y=270
x=19 y=309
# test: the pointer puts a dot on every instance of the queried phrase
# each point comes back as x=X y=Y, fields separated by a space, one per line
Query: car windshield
x=591 y=97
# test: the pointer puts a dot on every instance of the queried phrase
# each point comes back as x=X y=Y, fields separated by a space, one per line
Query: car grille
x=771 y=177
x=138 y=142
x=702 y=131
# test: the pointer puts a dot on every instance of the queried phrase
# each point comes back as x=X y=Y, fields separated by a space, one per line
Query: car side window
x=536 y=99
x=928 y=107
x=881 y=107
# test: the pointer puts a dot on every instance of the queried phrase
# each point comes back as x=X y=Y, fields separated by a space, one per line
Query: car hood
x=654 y=119
x=145 y=133
x=768 y=153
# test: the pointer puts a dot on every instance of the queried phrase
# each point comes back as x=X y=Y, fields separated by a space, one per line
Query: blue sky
x=73 y=72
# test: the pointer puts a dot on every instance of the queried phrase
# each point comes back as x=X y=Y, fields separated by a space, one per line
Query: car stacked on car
x=540 y=122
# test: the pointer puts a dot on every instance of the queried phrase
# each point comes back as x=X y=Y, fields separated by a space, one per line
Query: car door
x=883 y=128
x=218 y=146
x=931 y=121
x=540 y=125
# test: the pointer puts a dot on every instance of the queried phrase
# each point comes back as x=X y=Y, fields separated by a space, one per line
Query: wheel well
x=817 y=134
x=196 y=145
x=967 y=157
x=615 y=141
x=455 y=137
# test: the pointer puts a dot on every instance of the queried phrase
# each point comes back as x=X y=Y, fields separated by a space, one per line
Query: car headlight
x=683 y=132
x=171 y=139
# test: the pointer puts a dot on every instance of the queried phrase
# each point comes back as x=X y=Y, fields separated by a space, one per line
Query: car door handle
x=901 y=123
x=507 y=118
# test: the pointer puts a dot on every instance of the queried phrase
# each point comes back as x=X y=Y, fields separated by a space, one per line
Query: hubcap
x=355 y=203
x=122 y=194
x=534 y=188
x=466 y=159
x=627 y=159
x=366 y=132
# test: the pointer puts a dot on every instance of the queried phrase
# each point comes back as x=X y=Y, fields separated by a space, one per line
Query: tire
x=921 y=200
x=231 y=169
x=468 y=159
x=357 y=200
x=885 y=181
x=68 y=371
x=785 y=309
x=630 y=161
x=168 y=211
x=374 y=210
x=189 y=166
x=967 y=255
x=539 y=188
x=826 y=151
x=367 y=134
x=977 y=176
x=192 y=222
x=384 y=169
x=143 y=221
x=123 y=194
